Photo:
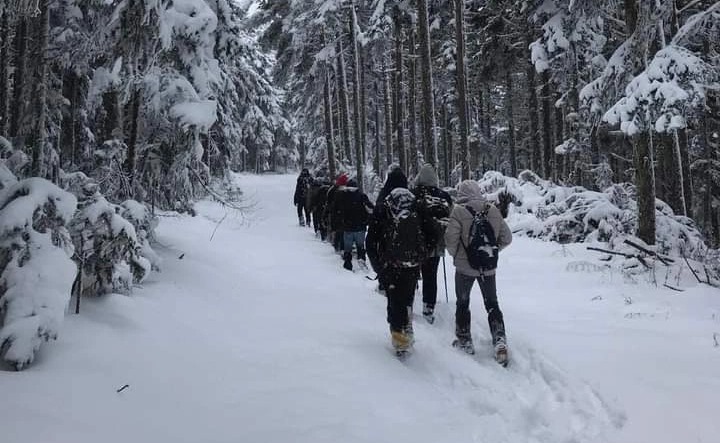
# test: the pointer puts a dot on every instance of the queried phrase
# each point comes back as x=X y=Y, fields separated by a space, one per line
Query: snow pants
x=429 y=270
x=400 y=290
x=463 y=286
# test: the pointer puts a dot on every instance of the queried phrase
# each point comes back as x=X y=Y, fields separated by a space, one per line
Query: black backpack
x=404 y=239
x=482 y=249
x=436 y=209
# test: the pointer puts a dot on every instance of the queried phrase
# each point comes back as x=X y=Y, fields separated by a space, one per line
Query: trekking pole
x=445 y=278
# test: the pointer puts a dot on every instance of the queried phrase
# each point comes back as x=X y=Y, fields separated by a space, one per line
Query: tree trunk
x=388 y=119
x=344 y=105
x=461 y=86
x=329 y=128
x=399 y=106
x=412 y=106
x=683 y=159
x=644 y=181
x=548 y=156
x=376 y=157
x=356 y=98
x=19 y=76
x=134 y=118
x=39 y=168
x=511 y=123
x=533 y=111
x=363 y=105
x=4 y=71
x=561 y=161
x=428 y=105
x=448 y=146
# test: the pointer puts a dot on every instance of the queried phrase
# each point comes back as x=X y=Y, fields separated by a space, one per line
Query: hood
x=469 y=190
x=396 y=179
x=427 y=177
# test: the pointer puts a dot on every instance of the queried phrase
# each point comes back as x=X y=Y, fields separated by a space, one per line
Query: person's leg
x=495 y=315
x=429 y=283
x=360 y=241
x=347 y=252
x=400 y=291
x=300 y=214
x=463 y=286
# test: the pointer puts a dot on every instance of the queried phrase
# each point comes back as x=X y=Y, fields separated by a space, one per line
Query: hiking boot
x=465 y=345
x=347 y=260
x=501 y=352
x=301 y=221
x=401 y=342
x=429 y=312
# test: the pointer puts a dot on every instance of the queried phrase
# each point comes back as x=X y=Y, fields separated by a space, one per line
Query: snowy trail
x=260 y=336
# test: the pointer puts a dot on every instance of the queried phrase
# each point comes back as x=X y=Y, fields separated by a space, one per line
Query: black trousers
x=400 y=291
x=300 y=209
x=429 y=272
x=463 y=286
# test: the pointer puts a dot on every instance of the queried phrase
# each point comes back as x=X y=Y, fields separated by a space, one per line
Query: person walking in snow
x=395 y=179
x=475 y=233
x=437 y=205
x=301 y=189
x=332 y=214
x=354 y=209
x=396 y=243
x=317 y=201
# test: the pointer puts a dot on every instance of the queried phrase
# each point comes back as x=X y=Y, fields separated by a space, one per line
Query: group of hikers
x=404 y=234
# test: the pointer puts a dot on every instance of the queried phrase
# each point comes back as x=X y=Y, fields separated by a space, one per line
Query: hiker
x=437 y=205
x=396 y=245
x=354 y=209
x=395 y=179
x=317 y=201
x=475 y=233
x=301 y=189
x=332 y=215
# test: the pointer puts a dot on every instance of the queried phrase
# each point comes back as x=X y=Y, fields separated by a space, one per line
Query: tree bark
x=533 y=111
x=428 y=106
x=645 y=184
x=344 y=105
x=39 y=168
x=448 y=146
x=561 y=161
x=330 y=146
x=511 y=123
x=21 y=46
x=547 y=163
x=360 y=161
x=399 y=106
x=461 y=86
x=376 y=157
x=412 y=105
x=134 y=119
x=4 y=71
x=388 y=119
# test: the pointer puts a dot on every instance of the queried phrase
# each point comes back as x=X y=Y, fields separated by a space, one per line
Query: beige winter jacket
x=470 y=194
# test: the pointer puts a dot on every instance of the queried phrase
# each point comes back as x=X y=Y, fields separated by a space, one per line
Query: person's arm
x=503 y=235
x=453 y=231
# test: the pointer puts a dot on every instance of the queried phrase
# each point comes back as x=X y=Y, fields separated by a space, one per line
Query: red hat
x=342 y=180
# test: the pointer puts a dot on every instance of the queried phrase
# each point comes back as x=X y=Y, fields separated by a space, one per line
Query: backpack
x=404 y=238
x=482 y=249
x=436 y=209
x=355 y=213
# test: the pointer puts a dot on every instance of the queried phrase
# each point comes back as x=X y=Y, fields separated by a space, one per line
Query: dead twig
x=673 y=288
x=664 y=260
x=697 y=277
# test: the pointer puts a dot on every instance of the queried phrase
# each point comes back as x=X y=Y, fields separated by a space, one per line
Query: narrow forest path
x=259 y=335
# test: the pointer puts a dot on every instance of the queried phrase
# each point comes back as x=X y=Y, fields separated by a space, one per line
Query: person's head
x=427 y=176
x=396 y=179
x=468 y=190
x=352 y=183
x=305 y=172
x=342 y=180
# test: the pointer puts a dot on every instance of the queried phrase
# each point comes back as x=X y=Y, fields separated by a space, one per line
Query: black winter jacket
x=353 y=209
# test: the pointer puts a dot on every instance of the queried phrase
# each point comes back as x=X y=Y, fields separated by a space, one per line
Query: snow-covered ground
x=259 y=335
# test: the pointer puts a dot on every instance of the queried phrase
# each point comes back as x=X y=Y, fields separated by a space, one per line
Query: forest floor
x=253 y=332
